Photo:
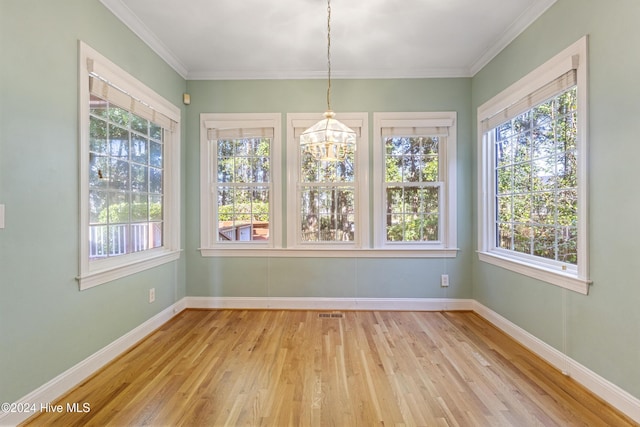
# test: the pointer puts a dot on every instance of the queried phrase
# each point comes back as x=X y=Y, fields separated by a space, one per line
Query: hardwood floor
x=297 y=368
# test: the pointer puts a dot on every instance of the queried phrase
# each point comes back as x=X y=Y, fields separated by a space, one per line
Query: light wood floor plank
x=296 y=368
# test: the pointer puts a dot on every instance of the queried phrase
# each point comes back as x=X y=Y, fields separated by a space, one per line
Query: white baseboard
x=73 y=376
x=304 y=303
x=604 y=389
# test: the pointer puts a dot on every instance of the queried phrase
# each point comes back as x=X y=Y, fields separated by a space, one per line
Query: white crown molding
x=124 y=14
x=515 y=29
x=61 y=384
x=313 y=75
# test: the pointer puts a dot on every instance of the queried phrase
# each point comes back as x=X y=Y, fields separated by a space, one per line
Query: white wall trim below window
x=332 y=252
x=96 y=278
x=558 y=278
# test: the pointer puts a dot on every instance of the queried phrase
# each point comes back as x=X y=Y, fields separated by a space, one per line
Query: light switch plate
x=1 y=216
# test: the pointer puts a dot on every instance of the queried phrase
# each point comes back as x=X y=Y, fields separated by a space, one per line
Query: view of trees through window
x=327 y=199
x=412 y=188
x=536 y=180
x=125 y=181
x=243 y=188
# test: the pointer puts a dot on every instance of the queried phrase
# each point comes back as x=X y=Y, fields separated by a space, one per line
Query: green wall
x=329 y=277
x=46 y=324
x=601 y=330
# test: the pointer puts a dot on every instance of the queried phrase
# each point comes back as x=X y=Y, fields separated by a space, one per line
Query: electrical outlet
x=152 y=295
x=444 y=281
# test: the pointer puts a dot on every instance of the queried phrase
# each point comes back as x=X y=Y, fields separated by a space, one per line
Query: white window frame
x=444 y=123
x=209 y=243
x=298 y=122
x=99 y=271
x=571 y=277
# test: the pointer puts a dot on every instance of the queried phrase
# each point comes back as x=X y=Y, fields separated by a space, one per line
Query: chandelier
x=329 y=139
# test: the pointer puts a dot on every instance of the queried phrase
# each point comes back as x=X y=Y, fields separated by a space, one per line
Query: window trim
x=97 y=272
x=447 y=170
x=209 y=245
x=550 y=271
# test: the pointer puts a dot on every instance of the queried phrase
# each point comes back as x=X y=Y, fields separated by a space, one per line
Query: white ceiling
x=282 y=39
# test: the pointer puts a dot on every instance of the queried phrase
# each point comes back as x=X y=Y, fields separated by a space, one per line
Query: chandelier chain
x=329 y=55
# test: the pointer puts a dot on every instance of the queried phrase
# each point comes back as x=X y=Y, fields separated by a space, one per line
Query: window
x=240 y=184
x=533 y=152
x=129 y=165
x=328 y=206
x=415 y=181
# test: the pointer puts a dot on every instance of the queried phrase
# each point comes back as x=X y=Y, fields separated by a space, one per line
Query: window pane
x=568 y=245
x=522 y=238
x=225 y=169
x=243 y=213
x=412 y=213
x=139 y=149
x=118 y=239
x=504 y=178
x=155 y=154
x=98 y=241
x=155 y=235
x=139 y=178
x=155 y=131
x=544 y=242
x=97 y=207
x=119 y=116
x=119 y=175
x=155 y=180
x=155 y=207
x=139 y=207
x=505 y=236
x=98 y=136
x=139 y=124
x=118 y=142
x=505 y=209
x=139 y=237
x=327 y=214
x=98 y=171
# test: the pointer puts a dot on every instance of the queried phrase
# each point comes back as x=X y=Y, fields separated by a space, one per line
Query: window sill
x=330 y=253
x=562 y=279
x=95 y=278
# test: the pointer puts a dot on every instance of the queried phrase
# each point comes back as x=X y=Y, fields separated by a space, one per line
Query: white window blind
x=559 y=84
x=104 y=90
x=214 y=134
x=408 y=128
